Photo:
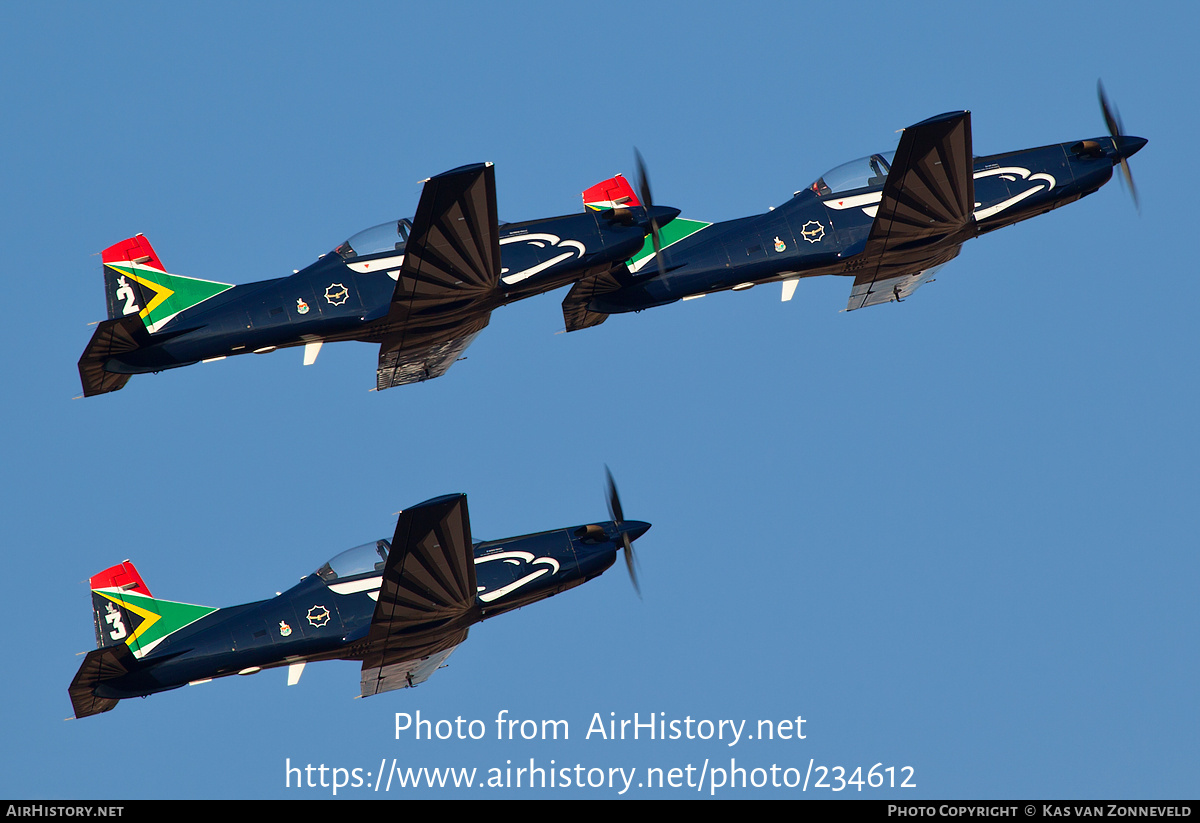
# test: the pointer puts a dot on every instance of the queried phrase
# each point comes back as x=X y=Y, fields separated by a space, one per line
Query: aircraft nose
x=662 y=214
x=635 y=528
x=1127 y=146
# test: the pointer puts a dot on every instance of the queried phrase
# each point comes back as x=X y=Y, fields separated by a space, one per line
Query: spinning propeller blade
x=618 y=516
x=643 y=181
x=1112 y=119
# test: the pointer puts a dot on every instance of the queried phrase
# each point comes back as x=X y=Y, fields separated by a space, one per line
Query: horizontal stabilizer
x=99 y=665
x=576 y=313
x=112 y=339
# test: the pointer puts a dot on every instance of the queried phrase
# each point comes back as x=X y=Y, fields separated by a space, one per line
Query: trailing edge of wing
x=406 y=673
x=428 y=596
x=928 y=198
x=421 y=360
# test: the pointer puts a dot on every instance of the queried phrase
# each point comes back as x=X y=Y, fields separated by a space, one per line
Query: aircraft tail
x=141 y=297
x=576 y=313
x=126 y=614
x=129 y=622
x=613 y=193
x=115 y=621
x=99 y=665
x=137 y=283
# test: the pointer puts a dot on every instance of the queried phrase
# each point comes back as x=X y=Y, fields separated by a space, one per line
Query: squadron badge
x=318 y=616
x=336 y=294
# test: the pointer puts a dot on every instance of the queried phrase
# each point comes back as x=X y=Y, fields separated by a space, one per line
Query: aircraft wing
x=927 y=202
x=418 y=361
x=427 y=600
x=404 y=674
x=449 y=277
x=898 y=285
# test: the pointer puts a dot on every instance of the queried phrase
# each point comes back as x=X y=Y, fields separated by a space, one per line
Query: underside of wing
x=427 y=599
x=607 y=279
x=895 y=289
x=405 y=674
x=430 y=356
x=926 y=206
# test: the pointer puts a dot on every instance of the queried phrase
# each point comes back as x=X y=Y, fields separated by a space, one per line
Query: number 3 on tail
x=113 y=618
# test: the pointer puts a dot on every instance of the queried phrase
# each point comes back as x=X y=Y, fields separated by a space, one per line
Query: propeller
x=643 y=181
x=618 y=516
x=1112 y=119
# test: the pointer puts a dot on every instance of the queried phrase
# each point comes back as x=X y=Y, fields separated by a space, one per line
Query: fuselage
x=346 y=294
x=822 y=229
x=329 y=613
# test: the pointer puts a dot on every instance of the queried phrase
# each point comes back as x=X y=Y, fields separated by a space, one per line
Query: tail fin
x=116 y=623
x=613 y=193
x=126 y=614
x=136 y=282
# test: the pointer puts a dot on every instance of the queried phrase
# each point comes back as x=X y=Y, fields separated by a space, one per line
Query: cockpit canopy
x=369 y=558
x=865 y=172
x=365 y=559
x=386 y=237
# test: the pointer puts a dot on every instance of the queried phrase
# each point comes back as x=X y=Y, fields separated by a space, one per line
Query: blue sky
x=954 y=534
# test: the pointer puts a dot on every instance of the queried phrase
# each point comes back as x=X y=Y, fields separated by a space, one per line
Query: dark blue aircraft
x=400 y=608
x=888 y=221
x=421 y=288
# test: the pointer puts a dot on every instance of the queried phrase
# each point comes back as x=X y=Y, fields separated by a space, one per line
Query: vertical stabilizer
x=126 y=614
x=613 y=193
x=136 y=282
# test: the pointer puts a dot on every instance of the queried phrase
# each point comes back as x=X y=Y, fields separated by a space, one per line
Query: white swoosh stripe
x=355 y=586
x=541 y=267
x=382 y=264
